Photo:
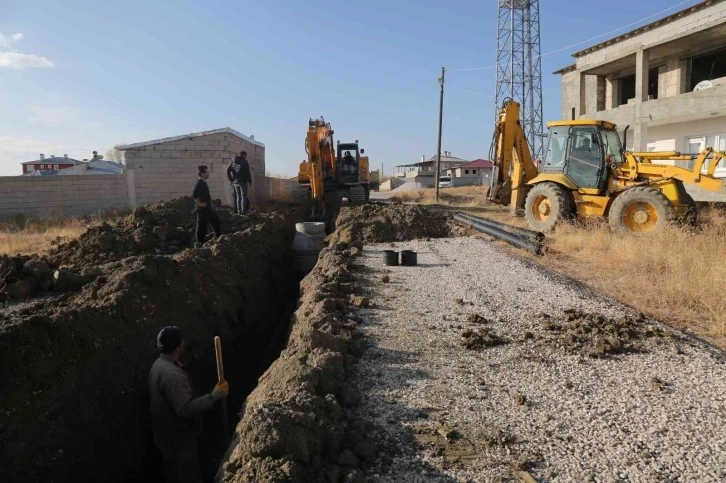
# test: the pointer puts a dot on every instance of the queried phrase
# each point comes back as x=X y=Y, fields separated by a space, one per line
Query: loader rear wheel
x=690 y=219
x=546 y=205
x=640 y=209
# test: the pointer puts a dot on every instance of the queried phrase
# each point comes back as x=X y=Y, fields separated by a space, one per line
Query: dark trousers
x=234 y=193
x=181 y=464
x=241 y=202
x=207 y=217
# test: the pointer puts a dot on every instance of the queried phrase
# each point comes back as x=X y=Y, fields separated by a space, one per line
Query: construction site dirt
x=474 y=365
x=74 y=365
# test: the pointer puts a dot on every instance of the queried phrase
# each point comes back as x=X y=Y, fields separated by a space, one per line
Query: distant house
x=427 y=167
x=49 y=164
x=474 y=173
x=98 y=166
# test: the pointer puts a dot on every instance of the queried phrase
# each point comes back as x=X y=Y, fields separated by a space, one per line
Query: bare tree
x=116 y=155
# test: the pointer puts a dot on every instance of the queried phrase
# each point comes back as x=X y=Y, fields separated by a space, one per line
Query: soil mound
x=73 y=371
x=394 y=222
x=162 y=228
x=296 y=425
x=598 y=336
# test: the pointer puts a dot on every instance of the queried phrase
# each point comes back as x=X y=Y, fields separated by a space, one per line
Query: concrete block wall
x=570 y=94
x=154 y=172
x=60 y=196
x=169 y=169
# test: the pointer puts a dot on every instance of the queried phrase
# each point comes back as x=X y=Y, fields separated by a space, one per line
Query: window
x=708 y=67
x=698 y=143
x=573 y=113
x=627 y=89
x=466 y=171
x=30 y=168
x=473 y=172
x=556 y=148
x=55 y=167
x=42 y=166
x=613 y=146
x=650 y=147
x=584 y=160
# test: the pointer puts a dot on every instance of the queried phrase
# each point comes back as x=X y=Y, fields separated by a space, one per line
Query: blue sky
x=82 y=75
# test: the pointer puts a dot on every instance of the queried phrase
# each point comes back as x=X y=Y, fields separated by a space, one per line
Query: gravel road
x=483 y=367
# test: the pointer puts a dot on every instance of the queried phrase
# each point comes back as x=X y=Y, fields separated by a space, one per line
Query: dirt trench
x=298 y=424
x=74 y=368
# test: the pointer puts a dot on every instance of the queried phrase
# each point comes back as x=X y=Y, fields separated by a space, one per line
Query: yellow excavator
x=586 y=172
x=327 y=176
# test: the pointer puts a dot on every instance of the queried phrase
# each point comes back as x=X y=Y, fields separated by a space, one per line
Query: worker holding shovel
x=175 y=412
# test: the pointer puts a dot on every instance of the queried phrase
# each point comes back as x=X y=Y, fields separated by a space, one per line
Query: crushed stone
x=538 y=407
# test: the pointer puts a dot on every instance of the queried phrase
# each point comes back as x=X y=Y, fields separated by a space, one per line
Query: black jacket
x=238 y=171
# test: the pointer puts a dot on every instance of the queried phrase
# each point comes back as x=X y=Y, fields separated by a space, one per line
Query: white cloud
x=6 y=41
x=18 y=61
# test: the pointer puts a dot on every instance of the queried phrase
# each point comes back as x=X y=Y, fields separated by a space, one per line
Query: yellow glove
x=220 y=390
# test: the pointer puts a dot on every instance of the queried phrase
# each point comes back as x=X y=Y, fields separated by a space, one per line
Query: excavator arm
x=321 y=162
x=512 y=160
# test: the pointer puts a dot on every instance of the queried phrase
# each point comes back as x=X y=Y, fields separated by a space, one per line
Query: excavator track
x=301 y=194
x=357 y=194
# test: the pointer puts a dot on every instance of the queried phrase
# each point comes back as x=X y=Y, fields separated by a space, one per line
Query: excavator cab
x=348 y=162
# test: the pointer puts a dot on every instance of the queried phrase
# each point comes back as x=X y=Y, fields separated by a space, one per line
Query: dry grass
x=676 y=275
x=26 y=237
x=38 y=239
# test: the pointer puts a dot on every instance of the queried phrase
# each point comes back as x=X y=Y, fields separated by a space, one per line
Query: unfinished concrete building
x=665 y=80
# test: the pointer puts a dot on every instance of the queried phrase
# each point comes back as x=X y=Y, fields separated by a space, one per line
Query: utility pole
x=438 y=148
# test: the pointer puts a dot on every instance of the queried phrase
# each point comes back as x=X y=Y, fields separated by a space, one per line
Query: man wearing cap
x=175 y=412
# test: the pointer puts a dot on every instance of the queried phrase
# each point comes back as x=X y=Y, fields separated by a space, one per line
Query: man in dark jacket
x=238 y=173
x=175 y=414
x=204 y=207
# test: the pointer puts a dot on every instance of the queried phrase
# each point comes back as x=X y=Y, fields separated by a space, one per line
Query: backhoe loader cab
x=585 y=172
x=582 y=151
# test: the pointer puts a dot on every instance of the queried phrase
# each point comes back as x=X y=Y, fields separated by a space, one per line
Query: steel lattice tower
x=519 y=66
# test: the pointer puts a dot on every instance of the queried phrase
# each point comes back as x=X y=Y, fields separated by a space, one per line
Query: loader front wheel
x=640 y=209
x=546 y=205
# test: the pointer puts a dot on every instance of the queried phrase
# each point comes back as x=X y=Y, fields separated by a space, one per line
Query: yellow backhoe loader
x=586 y=172
x=327 y=177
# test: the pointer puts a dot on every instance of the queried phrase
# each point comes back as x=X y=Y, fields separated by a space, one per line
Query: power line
x=585 y=41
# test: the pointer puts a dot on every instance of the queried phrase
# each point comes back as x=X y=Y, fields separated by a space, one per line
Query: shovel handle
x=220 y=364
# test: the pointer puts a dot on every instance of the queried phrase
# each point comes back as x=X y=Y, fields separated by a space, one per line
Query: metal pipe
x=536 y=247
x=523 y=232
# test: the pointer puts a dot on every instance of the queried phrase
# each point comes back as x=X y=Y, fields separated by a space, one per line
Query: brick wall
x=56 y=196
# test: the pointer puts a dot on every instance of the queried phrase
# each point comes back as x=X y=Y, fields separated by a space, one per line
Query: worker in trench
x=238 y=173
x=176 y=415
x=206 y=215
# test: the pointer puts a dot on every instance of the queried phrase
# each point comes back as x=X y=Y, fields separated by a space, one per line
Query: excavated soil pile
x=163 y=228
x=160 y=229
x=296 y=425
x=73 y=372
x=597 y=336
x=390 y=223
